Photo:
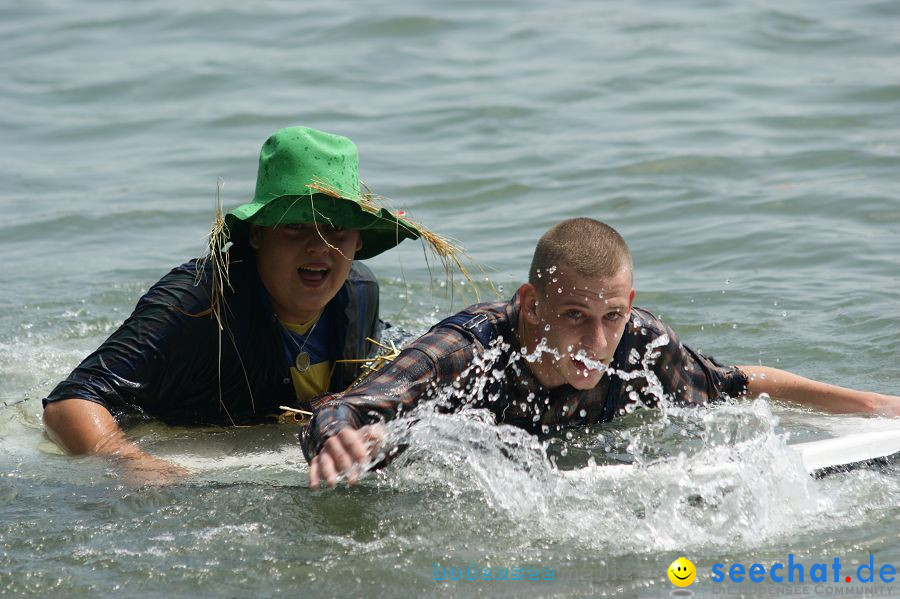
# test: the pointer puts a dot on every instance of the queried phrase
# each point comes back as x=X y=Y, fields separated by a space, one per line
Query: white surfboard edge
x=847 y=450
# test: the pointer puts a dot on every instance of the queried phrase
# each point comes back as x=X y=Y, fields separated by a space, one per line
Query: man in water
x=568 y=349
x=268 y=319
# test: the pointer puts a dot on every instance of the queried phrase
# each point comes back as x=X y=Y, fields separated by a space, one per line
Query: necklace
x=301 y=361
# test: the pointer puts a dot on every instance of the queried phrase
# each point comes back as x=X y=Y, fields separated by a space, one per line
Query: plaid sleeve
x=432 y=361
x=687 y=376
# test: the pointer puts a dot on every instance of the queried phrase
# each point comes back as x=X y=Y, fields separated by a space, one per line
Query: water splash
x=654 y=480
x=735 y=485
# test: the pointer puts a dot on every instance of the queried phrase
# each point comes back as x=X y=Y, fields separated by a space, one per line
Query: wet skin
x=303 y=266
x=581 y=320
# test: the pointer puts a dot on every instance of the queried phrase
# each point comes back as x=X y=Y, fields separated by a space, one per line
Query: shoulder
x=467 y=331
x=645 y=337
x=361 y=284
x=494 y=311
x=483 y=321
x=360 y=274
x=646 y=324
x=187 y=289
x=184 y=286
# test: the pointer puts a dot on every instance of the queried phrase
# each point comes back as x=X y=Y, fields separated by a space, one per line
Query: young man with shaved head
x=570 y=349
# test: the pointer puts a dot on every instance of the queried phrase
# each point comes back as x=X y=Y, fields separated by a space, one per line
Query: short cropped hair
x=585 y=245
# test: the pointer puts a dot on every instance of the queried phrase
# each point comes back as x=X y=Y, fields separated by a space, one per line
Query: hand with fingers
x=345 y=454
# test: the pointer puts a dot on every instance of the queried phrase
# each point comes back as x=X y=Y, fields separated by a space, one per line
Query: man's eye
x=328 y=229
x=574 y=314
x=613 y=316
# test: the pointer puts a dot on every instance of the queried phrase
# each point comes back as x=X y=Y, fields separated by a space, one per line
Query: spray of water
x=666 y=479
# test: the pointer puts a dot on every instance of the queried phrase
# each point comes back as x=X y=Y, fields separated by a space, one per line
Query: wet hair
x=585 y=245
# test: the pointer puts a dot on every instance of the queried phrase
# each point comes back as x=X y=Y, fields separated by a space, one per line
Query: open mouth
x=586 y=364
x=313 y=275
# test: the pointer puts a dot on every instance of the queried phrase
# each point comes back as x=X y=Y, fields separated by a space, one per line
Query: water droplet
x=546 y=327
x=582 y=413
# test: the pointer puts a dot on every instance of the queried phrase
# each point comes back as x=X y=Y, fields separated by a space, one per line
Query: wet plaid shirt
x=450 y=366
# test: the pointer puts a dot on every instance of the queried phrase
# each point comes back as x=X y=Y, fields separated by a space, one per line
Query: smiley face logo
x=682 y=572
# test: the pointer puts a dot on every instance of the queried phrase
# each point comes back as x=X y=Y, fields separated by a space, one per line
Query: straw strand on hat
x=449 y=251
x=220 y=262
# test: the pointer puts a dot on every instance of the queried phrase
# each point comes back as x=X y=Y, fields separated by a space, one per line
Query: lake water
x=748 y=151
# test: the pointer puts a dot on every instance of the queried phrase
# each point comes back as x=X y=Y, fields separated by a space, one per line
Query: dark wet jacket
x=165 y=359
x=474 y=359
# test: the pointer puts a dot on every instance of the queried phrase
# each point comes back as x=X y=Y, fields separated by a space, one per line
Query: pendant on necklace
x=301 y=362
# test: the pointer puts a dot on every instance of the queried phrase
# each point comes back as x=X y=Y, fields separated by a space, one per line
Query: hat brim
x=379 y=228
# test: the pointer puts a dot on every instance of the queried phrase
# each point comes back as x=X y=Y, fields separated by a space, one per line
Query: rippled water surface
x=748 y=151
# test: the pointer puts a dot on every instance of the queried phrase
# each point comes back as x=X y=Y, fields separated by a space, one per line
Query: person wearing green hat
x=280 y=311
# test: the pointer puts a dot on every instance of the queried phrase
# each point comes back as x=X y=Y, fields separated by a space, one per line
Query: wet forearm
x=780 y=384
x=83 y=427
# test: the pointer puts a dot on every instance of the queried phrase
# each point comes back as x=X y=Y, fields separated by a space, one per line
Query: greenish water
x=748 y=151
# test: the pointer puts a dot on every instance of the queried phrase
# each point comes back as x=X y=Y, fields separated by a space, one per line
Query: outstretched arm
x=80 y=426
x=780 y=384
x=346 y=432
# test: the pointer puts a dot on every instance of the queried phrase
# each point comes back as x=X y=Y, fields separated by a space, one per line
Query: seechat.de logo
x=795 y=571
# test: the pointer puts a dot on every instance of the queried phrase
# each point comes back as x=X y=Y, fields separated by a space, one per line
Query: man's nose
x=316 y=243
x=595 y=340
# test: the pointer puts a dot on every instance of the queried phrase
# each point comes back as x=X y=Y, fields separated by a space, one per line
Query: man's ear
x=359 y=242
x=528 y=299
x=630 y=299
x=255 y=235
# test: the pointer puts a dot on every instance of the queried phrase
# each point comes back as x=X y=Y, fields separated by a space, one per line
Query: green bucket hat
x=308 y=176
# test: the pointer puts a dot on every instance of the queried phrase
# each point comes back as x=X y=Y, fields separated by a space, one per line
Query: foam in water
x=716 y=476
x=737 y=485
